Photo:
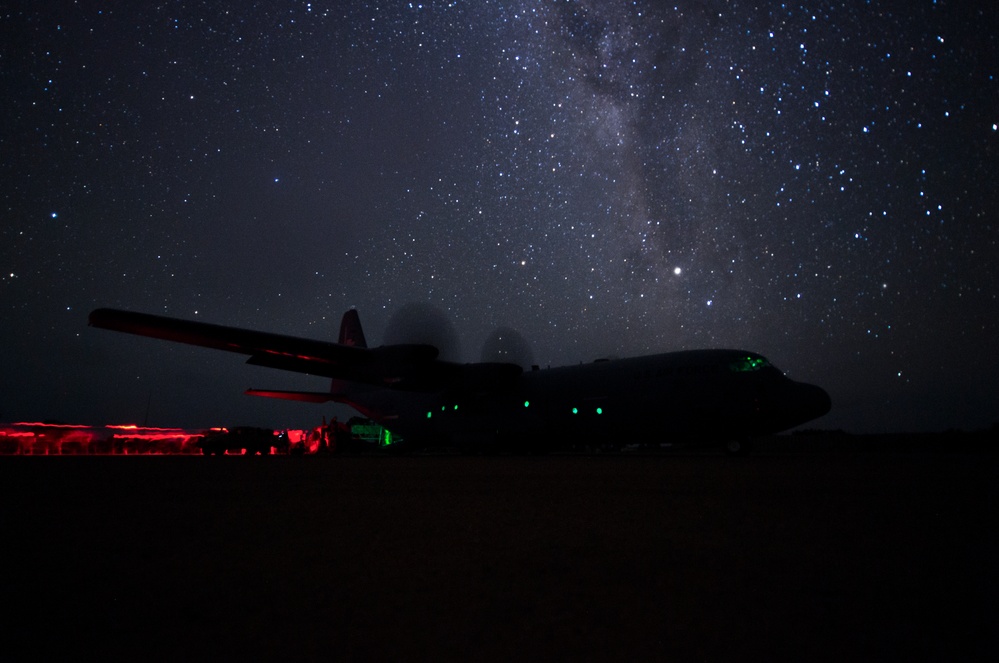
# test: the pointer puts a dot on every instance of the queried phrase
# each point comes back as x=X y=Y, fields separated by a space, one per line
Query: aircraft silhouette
x=704 y=396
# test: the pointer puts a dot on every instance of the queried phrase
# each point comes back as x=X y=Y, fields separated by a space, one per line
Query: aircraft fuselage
x=707 y=394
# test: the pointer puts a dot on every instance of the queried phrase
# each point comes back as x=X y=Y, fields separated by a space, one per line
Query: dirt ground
x=809 y=556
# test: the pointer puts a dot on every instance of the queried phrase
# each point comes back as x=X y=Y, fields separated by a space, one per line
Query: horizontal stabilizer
x=306 y=396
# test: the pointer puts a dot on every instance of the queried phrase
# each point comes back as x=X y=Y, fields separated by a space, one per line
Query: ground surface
x=821 y=556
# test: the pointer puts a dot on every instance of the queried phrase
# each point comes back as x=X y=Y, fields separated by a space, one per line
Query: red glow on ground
x=52 y=439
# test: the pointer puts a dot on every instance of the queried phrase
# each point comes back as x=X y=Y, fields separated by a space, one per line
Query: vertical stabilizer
x=350 y=330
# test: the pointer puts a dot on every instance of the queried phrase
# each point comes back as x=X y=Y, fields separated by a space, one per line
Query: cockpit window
x=748 y=364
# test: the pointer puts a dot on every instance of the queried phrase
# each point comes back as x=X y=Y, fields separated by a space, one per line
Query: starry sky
x=812 y=181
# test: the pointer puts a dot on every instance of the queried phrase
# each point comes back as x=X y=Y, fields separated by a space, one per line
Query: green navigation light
x=748 y=364
x=527 y=403
x=575 y=410
x=429 y=414
x=600 y=410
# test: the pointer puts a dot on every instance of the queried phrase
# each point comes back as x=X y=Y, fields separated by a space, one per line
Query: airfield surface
x=803 y=556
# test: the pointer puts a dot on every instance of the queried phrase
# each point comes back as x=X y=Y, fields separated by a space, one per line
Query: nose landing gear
x=738 y=446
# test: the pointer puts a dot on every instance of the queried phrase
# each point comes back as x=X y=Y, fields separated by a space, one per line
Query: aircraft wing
x=408 y=367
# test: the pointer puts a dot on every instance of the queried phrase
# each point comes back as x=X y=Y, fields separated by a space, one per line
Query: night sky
x=814 y=182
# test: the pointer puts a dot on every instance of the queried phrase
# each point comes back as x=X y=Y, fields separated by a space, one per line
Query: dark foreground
x=823 y=556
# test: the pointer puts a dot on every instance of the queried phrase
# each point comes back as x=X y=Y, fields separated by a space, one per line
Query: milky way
x=812 y=181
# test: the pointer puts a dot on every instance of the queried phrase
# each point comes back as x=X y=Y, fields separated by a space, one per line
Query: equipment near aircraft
x=243 y=439
x=719 y=396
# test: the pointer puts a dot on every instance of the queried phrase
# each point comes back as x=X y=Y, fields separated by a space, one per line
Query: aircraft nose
x=813 y=401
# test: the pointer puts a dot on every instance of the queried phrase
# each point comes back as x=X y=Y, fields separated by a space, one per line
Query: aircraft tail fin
x=350 y=330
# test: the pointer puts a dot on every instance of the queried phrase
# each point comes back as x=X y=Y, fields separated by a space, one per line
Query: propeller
x=422 y=323
x=506 y=345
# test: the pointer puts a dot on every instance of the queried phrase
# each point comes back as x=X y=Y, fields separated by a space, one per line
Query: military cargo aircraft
x=724 y=397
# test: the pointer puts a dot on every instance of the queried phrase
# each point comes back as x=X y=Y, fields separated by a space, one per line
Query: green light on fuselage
x=747 y=364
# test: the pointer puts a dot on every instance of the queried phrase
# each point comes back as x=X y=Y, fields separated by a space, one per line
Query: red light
x=35 y=438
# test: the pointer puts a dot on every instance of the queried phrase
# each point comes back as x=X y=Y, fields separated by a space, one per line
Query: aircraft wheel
x=738 y=447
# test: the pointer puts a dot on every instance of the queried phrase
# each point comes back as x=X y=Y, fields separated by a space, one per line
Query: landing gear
x=738 y=446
